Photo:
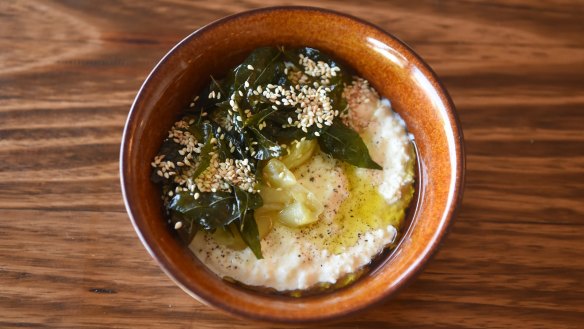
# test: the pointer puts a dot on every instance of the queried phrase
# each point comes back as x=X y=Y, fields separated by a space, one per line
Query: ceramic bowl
x=391 y=67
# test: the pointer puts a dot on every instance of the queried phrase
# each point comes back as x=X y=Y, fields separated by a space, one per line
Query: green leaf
x=255 y=119
x=345 y=144
x=209 y=211
x=265 y=148
x=250 y=234
x=206 y=130
x=263 y=61
x=170 y=150
x=245 y=201
x=189 y=227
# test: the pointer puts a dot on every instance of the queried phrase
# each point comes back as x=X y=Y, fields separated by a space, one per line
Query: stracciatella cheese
x=301 y=258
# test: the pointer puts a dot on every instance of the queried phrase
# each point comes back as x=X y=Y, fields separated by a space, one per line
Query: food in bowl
x=290 y=173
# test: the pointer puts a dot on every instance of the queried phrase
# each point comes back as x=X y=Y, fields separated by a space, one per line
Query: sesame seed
x=197 y=195
x=178 y=225
x=249 y=67
x=246 y=84
x=316 y=133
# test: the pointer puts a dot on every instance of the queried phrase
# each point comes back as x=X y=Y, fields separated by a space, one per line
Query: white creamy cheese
x=387 y=141
x=291 y=260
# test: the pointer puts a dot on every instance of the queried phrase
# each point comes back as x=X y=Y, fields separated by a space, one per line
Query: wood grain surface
x=69 y=70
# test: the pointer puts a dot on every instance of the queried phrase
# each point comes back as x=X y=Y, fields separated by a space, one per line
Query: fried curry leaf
x=265 y=148
x=245 y=201
x=206 y=131
x=345 y=144
x=170 y=151
x=255 y=119
x=209 y=211
x=259 y=68
x=250 y=234
x=188 y=229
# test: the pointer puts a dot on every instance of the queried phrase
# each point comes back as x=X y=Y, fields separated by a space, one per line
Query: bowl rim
x=454 y=199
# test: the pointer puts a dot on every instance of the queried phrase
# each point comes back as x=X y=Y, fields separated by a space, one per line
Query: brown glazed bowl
x=391 y=67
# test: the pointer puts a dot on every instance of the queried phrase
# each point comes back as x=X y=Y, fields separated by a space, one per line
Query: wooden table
x=69 y=70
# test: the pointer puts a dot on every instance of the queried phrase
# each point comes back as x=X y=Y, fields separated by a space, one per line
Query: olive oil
x=365 y=209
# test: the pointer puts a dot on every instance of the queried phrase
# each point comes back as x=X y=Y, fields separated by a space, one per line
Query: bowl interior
x=391 y=67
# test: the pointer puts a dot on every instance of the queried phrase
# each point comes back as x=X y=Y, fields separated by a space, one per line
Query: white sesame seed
x=178 y=225
x=246 y=84
x=197 y=195
x=249 y=67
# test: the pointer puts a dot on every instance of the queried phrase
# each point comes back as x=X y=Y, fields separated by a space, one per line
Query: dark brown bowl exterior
x=392 y=68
